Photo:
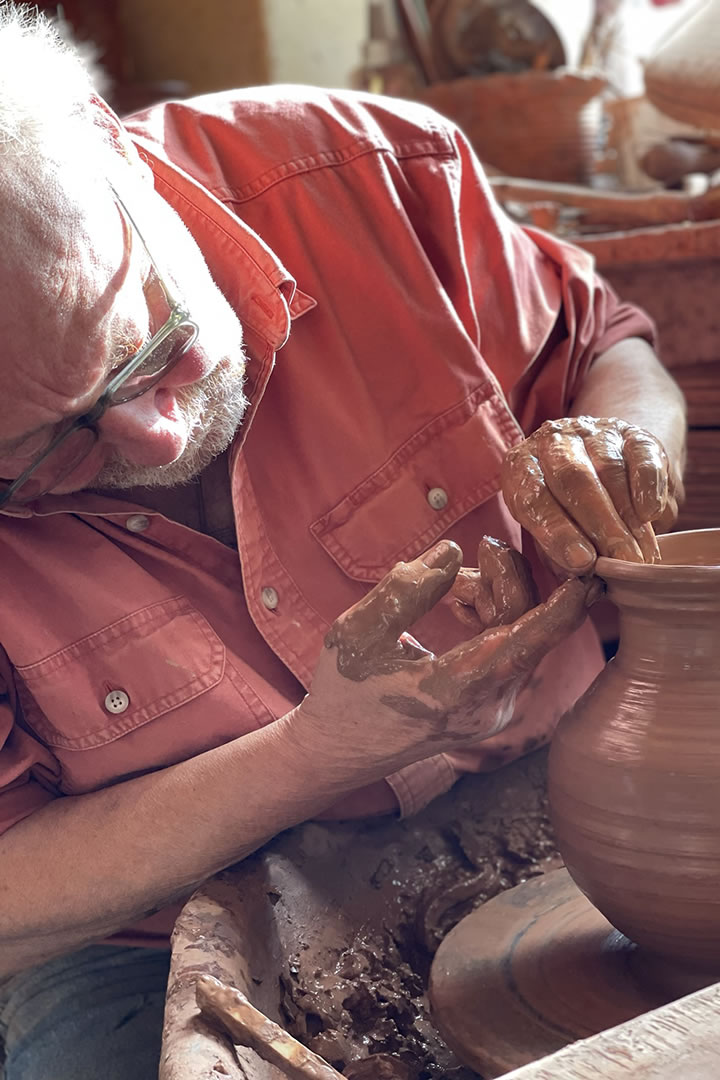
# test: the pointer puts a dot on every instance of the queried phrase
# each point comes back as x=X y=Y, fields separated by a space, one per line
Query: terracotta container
x=635 y=766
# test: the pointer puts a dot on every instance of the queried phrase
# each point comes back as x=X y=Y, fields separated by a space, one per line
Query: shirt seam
x=168 y=179
x=389 y=470
x=329 y=159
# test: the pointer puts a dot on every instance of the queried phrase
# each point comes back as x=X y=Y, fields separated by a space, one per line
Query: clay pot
x=635 y=766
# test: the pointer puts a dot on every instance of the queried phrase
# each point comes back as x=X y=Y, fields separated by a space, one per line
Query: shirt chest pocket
x=122 y=676
x=437 y=477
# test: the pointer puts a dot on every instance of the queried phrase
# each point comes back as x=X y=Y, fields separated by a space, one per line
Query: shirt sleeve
x=534 y=304
x=22 y=759
x=590 y=319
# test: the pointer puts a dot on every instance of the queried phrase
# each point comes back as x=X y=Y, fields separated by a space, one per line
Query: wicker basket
x=545 y=125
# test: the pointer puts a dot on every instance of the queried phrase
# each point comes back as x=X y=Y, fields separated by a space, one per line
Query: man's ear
x=115 y=133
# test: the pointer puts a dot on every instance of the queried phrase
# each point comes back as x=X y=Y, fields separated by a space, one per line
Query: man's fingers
x=499 y=591
x=468 y=616
x=474 y=592
x=421 y=583
x=572 y=479
x=404 y=595
x=546 y=626
x=605 y=447
x=511 y=581
x=668 y=518
x=676 y=497
x=482 y=667
x=647 y=467
x=531 y=503
x=607 y=482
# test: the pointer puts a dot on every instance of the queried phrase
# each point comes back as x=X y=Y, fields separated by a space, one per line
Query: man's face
x=73 y=307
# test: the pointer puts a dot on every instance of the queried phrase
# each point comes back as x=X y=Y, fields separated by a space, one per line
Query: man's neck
x=204 y=505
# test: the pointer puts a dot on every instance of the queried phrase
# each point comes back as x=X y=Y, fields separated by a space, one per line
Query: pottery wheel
x=531 y=970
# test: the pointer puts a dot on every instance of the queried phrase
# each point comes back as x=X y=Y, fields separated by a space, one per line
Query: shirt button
x=269 y=598
x=137 y=522
x=438 y=498
x=117 y=701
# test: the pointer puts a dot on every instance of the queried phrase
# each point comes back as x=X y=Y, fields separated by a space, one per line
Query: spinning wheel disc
x=533 y=969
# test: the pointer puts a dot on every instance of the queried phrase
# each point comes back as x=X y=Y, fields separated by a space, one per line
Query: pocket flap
x=392 y=515
x=158 y=657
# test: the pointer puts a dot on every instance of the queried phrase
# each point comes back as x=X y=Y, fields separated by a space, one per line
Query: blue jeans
x=97 y=1013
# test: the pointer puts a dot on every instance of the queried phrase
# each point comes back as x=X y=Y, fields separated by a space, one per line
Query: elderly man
x=257 y=349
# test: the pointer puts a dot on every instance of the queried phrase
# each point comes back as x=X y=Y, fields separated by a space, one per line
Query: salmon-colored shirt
x=403 y=333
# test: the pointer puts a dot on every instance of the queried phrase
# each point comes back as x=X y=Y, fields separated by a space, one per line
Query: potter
x=192 y=656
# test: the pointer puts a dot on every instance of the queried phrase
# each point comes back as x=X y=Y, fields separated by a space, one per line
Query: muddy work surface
x=332 y=928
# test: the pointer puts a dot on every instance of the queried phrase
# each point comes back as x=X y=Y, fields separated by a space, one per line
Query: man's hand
x=499 y=591
x=585 y=487
x=380 y=700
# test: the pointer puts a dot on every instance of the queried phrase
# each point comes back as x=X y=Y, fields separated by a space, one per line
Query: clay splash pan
x=330 y=930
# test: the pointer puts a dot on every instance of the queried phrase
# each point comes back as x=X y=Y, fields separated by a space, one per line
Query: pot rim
x=620 y=570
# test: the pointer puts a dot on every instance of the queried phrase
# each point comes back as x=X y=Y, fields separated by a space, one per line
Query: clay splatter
x=373 y=1003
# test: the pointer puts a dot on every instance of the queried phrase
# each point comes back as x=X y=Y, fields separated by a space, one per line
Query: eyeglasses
x=172 y=333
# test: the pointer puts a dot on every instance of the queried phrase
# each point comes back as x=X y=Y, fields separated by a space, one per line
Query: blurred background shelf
x=673 y=272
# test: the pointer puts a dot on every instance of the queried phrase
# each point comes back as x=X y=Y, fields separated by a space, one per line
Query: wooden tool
x=247 y=1026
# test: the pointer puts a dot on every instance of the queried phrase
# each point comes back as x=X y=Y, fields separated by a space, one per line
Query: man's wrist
x=311 y=759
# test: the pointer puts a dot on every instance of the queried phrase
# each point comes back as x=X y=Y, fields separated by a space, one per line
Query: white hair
x=46 y=88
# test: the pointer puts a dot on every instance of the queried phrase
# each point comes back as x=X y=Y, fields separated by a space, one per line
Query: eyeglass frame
x=179 y=316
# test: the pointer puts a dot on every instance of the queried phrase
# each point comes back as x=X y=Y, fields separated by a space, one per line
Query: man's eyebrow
x=124 y=347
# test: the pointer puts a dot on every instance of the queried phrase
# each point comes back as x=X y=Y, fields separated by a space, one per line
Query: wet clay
x=635 y=766
x=373 y=1000
x=585 y=486
x=371 y=638
x=448 y=691
x=499 y=591
x=331 y=929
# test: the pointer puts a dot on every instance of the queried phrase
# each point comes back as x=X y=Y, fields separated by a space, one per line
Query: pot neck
x=669 y=620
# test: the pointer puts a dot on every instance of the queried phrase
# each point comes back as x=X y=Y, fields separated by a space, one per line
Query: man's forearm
x=628 y=381
x=83 y=867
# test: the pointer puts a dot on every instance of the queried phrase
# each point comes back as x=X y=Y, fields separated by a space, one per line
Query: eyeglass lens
x=160 y=360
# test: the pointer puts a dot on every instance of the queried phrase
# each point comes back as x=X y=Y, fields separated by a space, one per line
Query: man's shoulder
x=241 y=135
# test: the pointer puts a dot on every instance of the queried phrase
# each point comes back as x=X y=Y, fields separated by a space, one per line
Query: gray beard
x=214 y=408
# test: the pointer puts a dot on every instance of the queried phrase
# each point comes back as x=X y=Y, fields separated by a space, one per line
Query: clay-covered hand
x=586 y=486
x=379 y=700
x=498 y=592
